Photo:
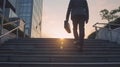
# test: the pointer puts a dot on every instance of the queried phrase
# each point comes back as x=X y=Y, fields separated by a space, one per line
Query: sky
x=54 y=13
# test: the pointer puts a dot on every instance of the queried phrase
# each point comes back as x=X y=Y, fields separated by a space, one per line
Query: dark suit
x=79 y=15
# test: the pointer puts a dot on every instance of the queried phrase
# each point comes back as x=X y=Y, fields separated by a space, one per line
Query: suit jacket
x=78 y=7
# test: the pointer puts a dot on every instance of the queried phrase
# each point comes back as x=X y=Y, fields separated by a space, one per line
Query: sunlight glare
x=61 y=43
x=61 y=47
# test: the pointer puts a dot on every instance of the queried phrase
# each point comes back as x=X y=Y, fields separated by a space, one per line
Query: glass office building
x=10 y=9
x=31 y=12
x=13 y=3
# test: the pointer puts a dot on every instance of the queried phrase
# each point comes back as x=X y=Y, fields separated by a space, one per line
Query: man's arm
x=68 y=11
x=87 y=8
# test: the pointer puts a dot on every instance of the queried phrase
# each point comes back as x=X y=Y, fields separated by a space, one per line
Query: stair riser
x=60 y=59
x=45 y=51
x=60 y=65
x=60 y=53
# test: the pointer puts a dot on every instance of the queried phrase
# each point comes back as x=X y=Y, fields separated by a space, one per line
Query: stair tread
x=48 y=51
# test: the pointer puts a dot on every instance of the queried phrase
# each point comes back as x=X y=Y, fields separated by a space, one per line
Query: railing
x=18 y=25
x=109 y=27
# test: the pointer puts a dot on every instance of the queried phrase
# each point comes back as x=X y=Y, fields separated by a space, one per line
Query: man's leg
x=75 y=25
x=81 y=31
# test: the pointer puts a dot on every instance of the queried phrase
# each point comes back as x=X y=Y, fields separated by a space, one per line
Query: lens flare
x=61 y=47
x=61 y=43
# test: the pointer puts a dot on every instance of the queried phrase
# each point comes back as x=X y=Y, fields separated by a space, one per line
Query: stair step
x=57 y=58
x=59 y=48
x=62 y=52
x=54 y=41
x=42 y=64
x=37 y=43
x=55 y=52
x=57 y=45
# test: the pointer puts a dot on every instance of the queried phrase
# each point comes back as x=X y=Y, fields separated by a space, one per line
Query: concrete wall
x=111 y=35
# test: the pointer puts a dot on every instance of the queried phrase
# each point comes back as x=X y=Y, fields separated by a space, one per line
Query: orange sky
x=54 y=12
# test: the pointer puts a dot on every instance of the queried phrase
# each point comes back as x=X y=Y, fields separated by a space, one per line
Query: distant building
x=10 y=9
x=31 y=12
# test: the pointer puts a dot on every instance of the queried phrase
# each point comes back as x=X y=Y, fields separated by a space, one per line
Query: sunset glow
x=54 y=13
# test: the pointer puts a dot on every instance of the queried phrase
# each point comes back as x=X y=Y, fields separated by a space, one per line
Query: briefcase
x=67 y=26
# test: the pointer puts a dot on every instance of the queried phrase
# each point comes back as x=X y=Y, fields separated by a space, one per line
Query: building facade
x=31 y=12
x=28 y=10
x=10 y=9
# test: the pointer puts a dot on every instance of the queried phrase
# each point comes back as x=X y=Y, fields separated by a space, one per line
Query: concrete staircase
x=48 y=52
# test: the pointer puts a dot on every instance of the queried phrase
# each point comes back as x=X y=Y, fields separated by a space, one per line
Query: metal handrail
x=110 y=24
x=9 y=32
x=109 y=27
x=10 y=23
x=12 y=29
x=95 y=25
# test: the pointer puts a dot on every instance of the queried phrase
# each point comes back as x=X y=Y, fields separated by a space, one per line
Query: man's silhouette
x=79 y=15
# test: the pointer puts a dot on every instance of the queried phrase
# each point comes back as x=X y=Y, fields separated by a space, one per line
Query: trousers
x=78 y=28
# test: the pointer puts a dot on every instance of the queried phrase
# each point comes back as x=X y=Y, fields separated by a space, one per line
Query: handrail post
x=96 y=32
x=24 y=31
x=17 y=33
x=109 y=27
x=96 y=29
